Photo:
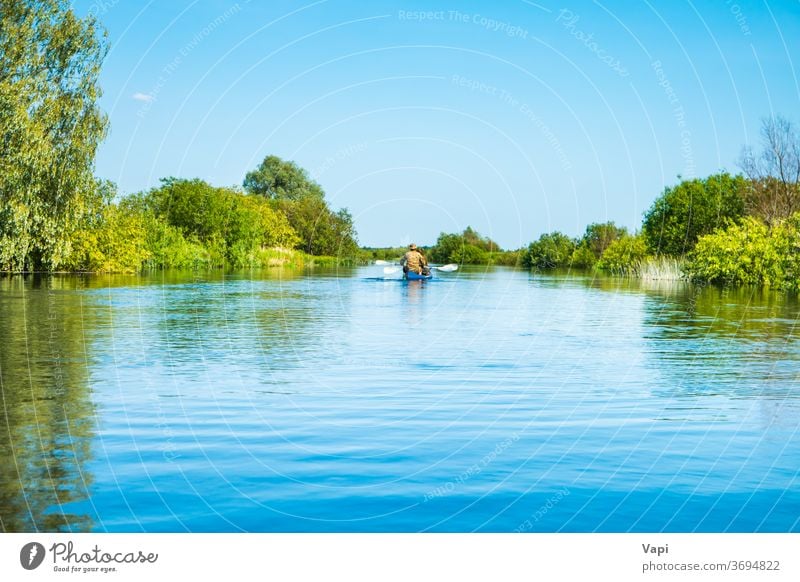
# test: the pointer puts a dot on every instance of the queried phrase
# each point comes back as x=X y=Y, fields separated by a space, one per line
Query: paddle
x=444 y=268
x=447 y=268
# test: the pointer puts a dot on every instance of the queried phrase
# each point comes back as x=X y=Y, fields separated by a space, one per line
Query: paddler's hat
x=412 y=247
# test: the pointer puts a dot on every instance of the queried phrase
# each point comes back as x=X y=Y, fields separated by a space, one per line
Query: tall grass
x=327 y=261
x=660 y=269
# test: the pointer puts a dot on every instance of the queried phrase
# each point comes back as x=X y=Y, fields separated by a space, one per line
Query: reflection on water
x=48 y=421
x=340 y=401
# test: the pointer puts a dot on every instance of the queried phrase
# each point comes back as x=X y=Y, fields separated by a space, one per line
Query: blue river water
x=483 y=400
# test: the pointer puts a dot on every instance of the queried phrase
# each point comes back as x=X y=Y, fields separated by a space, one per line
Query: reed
x=660 y=269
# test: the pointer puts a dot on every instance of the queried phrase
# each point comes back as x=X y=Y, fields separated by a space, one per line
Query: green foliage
x=599 y=236
x=169 y=248
x=506 y=258
x=624 y=255
x=583 y=257
x=484 y=243
x=467 y=248
x=113 y=243
x=595 y=241
x=181 y=224
x=691 y=209
x=290 y=190
x=191 y=223
x=750 y=253
x=194 y=206
x=370 y=254
x=447 y=245
x=325 y=261
x=277 y=179
x=550 y=251
x=469 y=255
x=49 y=64
x=320 y=230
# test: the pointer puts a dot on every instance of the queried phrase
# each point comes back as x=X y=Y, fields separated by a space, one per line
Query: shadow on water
x=48 y=421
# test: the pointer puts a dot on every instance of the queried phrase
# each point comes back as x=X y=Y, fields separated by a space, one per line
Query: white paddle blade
x=448 y=268
x=390 y=270
x=381 y=262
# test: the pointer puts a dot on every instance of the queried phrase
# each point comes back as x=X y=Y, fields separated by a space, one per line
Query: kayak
x=412 y=276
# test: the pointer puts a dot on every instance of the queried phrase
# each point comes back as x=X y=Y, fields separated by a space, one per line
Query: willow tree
x=50 y=127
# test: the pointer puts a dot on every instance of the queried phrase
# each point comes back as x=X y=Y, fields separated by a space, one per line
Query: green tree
x=624 y=255
x=468 y=248
x=447 y=245
x=194 y=206
x=549 y=251
x=472 y=237
x=277 y=179
x=230 y=226
x=321 y=230
x=597 y=238
x=691 y=209
x=51 y=126
x=583 y=257
x=113 y=243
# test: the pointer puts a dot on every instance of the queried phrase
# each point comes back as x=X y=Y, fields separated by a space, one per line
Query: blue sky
x=513 y=117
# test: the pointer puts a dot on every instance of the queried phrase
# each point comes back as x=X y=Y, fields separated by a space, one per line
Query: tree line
x=55 y=215
x=729 y=229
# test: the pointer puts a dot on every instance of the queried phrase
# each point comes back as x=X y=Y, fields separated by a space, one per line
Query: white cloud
x=147 y=98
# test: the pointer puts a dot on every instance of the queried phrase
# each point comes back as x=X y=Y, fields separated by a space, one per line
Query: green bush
x=321 y=231
x=624 y=255
x=474 y=238
x=193 y=224
x=750 y=253
x=583 y=257
x=692 y=209
x=599 y=236
x=467 y=248
x=469 y=255
x=506 y=258
x=370 y=255
x=116 y=244
x=550 y=251
x=169 y=249
x=446 y=245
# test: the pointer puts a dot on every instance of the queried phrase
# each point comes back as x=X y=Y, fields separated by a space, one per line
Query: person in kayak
x=415 y=261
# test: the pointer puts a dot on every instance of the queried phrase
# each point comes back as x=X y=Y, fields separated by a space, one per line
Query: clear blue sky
x=513 y=117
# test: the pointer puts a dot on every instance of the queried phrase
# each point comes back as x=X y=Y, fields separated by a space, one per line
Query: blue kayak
x=412 y=276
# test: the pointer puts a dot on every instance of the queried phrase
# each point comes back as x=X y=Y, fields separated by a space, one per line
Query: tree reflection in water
x=48 y=416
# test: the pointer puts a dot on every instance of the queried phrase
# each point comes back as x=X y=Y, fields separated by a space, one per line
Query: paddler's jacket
x=414 y=260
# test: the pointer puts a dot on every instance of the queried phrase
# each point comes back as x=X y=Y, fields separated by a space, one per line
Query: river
x=484 y=400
